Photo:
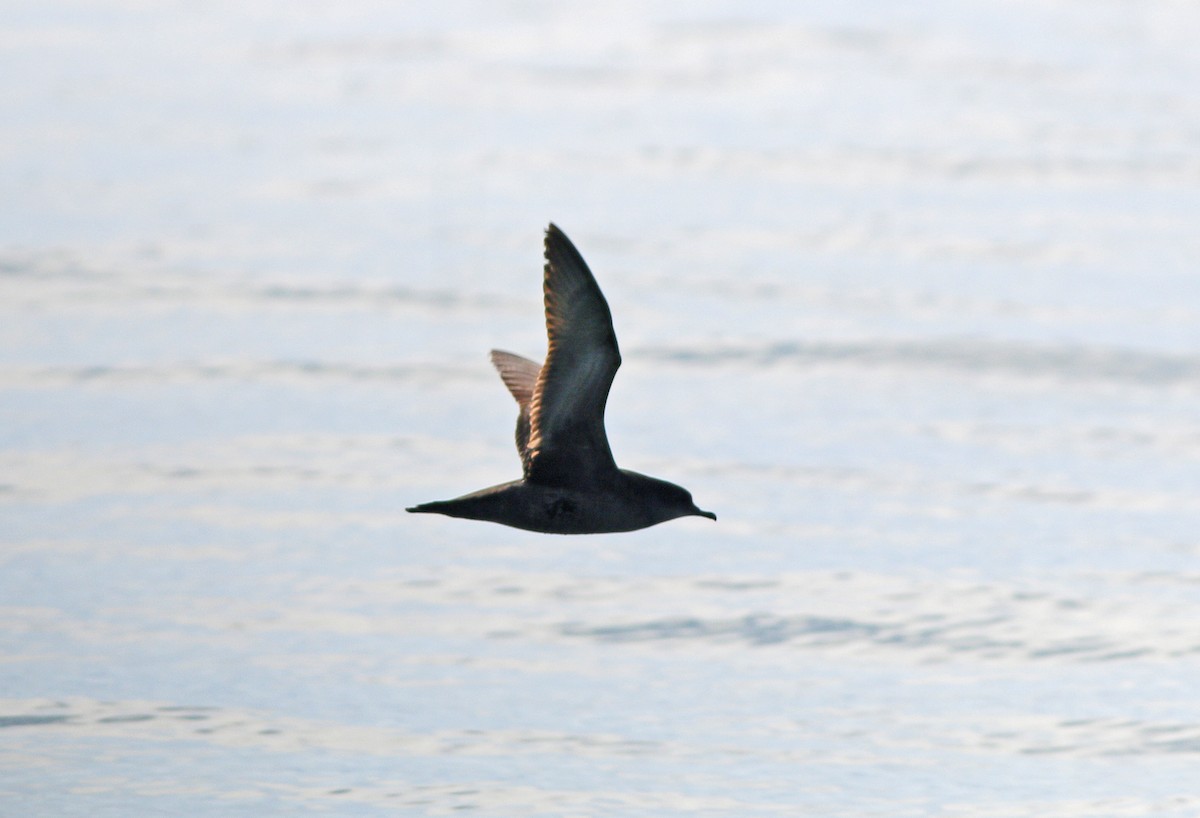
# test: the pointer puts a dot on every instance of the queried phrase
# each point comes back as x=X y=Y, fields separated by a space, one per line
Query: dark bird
x=571 y=484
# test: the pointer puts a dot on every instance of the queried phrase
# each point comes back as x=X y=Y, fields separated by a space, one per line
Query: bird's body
x=625 y=504
x=571 y=484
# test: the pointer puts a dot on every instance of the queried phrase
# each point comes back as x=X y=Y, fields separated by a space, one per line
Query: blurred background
x=907 y=294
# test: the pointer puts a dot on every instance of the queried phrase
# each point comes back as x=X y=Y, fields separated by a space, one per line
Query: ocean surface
x=909 y=294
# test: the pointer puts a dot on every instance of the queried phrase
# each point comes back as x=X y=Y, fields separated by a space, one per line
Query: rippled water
x=908 y=296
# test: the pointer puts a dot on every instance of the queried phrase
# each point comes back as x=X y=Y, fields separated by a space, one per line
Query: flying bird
x=570 y=482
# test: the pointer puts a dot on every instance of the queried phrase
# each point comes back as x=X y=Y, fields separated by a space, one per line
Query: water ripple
x=753 y=629
x=860 y=614
x=1009 y=734
x=266 y=731
x=966 y=356
x=299 y=371
x=29 y=281
x=1013 y=635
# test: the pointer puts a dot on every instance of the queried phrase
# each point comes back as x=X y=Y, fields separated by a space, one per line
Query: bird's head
x=667 y=501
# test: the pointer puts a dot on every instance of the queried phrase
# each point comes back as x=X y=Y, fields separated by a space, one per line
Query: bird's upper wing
x=567 y=445
x=520 y=376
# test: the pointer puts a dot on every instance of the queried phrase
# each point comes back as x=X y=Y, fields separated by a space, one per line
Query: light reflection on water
x=908 y=298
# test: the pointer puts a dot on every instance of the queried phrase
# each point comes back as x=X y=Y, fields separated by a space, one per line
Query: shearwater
x=571 y=484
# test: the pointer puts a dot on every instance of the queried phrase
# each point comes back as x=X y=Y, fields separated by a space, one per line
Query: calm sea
x=909 y=294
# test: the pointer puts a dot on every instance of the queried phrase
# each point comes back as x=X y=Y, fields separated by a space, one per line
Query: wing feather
x=520 y=376
x=567 y=443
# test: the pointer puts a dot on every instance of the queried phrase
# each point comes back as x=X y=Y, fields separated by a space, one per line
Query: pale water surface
x=907 y=293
